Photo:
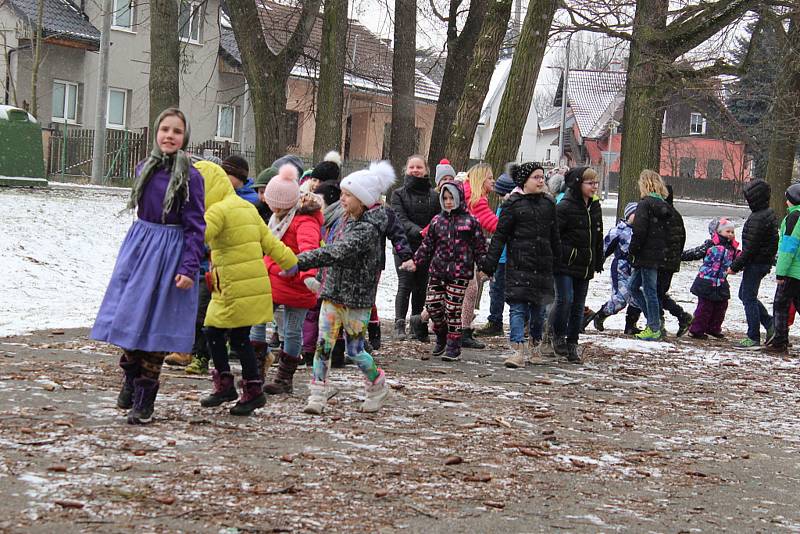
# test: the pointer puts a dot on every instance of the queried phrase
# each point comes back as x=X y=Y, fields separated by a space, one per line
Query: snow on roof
x=496 y=87
x=551 y=120
x=591 y=93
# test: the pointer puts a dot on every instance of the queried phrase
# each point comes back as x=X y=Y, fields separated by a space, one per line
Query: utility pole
x=99 y=148
x=564 y=88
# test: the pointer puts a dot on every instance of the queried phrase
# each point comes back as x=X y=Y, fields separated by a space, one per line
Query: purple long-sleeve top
x=189 y=215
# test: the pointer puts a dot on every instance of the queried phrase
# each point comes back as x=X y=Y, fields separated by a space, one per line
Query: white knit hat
x=369 y=184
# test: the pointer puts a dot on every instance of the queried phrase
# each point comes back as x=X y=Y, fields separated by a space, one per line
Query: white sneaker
x=377 y=392
x=317 y=399
x=516 y=360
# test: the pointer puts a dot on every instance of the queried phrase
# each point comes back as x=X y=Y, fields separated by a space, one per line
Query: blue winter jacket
x=247 y=192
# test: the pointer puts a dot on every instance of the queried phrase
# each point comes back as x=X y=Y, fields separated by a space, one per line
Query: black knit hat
x=326 y=171
x=793 y=194
x=236 y=166
x=329 y=191
x=520 y=173
x=574 y=177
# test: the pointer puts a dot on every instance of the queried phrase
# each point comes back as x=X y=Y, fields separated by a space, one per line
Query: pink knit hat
x=282 y=191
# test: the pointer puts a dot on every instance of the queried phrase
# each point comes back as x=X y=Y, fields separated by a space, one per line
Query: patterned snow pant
x=333 y=318
x=444 y=303
x=149 y=363
x=621 y=296
x=708 y=316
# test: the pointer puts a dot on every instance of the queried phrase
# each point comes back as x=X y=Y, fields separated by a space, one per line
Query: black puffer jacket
x=580 y=228
x=415 y=204
x=650 y=238
x=676 y=237
x=760 y=232
x=528 y=227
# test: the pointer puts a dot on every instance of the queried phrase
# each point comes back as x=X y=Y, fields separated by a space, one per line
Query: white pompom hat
x=369 y=184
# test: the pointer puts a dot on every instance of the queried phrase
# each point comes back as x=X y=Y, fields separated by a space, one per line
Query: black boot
x=144 y=400
x=588 y=317
x=572 y=353
x=599 y=318
x=374 y=335
x=631 y=318
x=491 y=329
x=308 y=359
x=684 y=322
x=224 y=390
x=418 y=328
x=282 y=383
x=469 y=342
x=252 y=397
x=560 y=346
x=400 y=330
x=337 y=355
x=441 y=342
x=131 y=370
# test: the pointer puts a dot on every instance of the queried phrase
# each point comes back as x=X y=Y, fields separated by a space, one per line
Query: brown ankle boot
x=282 y=383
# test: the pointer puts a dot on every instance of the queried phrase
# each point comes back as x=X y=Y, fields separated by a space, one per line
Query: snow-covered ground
x=58 y=246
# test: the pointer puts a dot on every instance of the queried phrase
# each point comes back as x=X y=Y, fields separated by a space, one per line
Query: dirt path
x=665 y=437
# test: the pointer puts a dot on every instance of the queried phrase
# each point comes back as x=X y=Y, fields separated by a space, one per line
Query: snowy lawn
x=58 y=246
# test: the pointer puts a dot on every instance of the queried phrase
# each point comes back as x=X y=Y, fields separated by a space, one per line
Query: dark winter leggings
x=149 y=363
x=787 y=292
x=200 y=347
x=444 y=302
x=240 y=343
x=413 y=284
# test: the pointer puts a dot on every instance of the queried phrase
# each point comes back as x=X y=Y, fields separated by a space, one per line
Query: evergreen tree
x=752 y=94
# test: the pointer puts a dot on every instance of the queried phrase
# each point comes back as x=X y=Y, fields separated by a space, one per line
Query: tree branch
x=294 y=47
x=684 y=34
x=579 y=21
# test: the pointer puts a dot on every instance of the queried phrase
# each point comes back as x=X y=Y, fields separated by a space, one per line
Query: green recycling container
x=21 y=155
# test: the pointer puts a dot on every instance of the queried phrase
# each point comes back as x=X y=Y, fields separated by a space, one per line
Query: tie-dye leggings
x=332 y=318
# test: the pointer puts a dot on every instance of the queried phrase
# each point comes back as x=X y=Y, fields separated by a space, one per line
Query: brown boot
x=282 y=383
x=264 y=358
x=180 y=359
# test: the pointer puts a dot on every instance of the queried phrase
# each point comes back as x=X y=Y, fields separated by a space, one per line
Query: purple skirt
x=142 y=309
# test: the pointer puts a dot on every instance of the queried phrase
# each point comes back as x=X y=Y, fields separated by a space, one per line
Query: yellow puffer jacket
x=238 y=239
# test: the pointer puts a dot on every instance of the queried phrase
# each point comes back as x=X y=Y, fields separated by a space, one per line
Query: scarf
x=331 y=214
x=177 y=164
x=279 y=226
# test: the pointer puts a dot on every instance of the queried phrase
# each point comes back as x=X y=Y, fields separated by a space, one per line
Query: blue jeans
x=519 y=312
x=755 y=312
x=567 y=313
x=644 y=291
x=497 y=295
x=291 y=332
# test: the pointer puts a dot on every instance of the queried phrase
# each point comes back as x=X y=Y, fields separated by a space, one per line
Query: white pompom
x=333 y=156
x=384 y=172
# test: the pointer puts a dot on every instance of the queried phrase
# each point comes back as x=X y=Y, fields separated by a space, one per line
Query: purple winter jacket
x=454 y=241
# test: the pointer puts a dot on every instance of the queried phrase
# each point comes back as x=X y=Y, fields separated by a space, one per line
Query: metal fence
x=71 y=153
x=690 y=188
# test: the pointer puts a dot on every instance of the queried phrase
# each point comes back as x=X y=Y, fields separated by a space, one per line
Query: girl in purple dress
x=149 y=307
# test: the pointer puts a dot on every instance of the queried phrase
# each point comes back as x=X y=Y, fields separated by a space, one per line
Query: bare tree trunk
x=330 y=94
x=267 y=74
x=165 y=56
x=518 y=93
x=476 y=85
x=460 y=50
x=785 y=119
x=645 y=92
x=37 y=60
x=402 y=142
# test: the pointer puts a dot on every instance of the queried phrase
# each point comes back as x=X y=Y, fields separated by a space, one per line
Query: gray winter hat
x=444 y=169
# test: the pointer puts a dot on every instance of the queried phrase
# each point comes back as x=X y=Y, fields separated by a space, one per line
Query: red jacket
x=481 y=211
x=303 y=234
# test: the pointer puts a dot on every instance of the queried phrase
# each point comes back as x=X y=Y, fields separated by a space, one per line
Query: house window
x=122 y=16
x=117 y=109
x=226 y=122
x=418 y=139
x=687 y=166
x=547 y=156
x=697 y=124
x=714 y=169
x=65 y=102
x=189 y=22
x=664 y=122
x=292 y=128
